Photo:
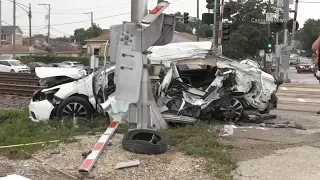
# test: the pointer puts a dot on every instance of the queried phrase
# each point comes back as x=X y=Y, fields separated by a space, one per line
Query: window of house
x=96 y=52
x=3 y=37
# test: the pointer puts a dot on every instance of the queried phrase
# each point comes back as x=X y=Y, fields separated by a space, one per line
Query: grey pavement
x=284 y=153
x=304 y=78
x=286 y=164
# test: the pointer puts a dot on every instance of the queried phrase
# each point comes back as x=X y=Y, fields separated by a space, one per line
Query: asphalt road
x=266 y=153
x=304 y=78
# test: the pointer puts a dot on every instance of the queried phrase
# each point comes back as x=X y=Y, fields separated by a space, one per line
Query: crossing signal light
x=185 y=18
x=210 y=4
x=227 y=12
x=277 y=27
x=226 y=31
x=207 y=18
x=290 y=25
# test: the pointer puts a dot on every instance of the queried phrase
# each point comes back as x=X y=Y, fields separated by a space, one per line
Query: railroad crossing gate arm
x=154 y=14
x=98 y=148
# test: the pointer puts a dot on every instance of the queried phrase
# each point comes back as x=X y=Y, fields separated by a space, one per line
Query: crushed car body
x=187 y=85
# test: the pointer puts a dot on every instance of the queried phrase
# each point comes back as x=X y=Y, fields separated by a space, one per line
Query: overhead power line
x=75 y=22
x=312 y=2
x=106 y=17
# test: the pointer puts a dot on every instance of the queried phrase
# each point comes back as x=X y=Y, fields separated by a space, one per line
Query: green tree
x=81 y=34
x=247 y=37
x=309 y=33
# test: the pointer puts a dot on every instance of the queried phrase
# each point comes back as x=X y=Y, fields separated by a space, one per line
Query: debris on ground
x=283 y=125
x=14 y=177
x=171 y=165
x=128 y=164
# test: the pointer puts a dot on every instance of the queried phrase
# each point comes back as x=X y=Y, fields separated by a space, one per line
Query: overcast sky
x=65 y=13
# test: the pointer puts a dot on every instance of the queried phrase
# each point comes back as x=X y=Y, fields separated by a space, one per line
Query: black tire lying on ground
x=143 y=141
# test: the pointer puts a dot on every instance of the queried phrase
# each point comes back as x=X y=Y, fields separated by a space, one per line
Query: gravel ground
x=14 y=102
x=172 y=165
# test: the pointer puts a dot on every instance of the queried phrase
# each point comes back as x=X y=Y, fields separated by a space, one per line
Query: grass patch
x=17 y=128
x=201 y=140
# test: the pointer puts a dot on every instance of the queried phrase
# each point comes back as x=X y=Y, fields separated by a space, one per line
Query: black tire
x=139 y=141
x=75 y=99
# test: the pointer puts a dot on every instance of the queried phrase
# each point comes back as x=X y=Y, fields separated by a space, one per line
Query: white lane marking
x=284 y=88
x=301 y=100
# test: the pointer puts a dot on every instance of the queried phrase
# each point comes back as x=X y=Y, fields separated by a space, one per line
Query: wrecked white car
x=70 y=93
x=186 y=84
x=229 y=90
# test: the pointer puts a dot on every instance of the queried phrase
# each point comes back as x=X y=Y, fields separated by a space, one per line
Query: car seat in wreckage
x=133 y=97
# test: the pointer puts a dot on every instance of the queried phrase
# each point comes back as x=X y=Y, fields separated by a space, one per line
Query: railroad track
x=19 y=84
x=18 y=90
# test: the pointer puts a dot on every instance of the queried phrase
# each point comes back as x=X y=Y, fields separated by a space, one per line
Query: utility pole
x=269 y=34
x=198 y=23
x=30 y=36
x=286 y=4
x=14 y=30
x=278 y=18
x=214 y=29
x=91 y=17
x=49 y=12
x=0 y=26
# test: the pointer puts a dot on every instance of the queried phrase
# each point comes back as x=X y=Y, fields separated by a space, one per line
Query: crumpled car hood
x=46 y=72
x=257 y=85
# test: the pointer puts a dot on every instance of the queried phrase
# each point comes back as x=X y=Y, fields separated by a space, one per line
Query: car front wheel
x=75 y=108
x=12 y=71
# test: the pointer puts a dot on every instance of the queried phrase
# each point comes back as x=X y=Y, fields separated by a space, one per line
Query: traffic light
x=210 y=4
x=207 y=18
x=185 y=18
x=227 y=12
x=290 y=25
x=277 y=27
x=226 y=31
x=270 y=45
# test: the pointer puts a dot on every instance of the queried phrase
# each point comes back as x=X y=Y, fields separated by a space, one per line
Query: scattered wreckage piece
x=282 y=125
x=14 y=177
x=96 y=151
x=128 y=164
x=144 y=141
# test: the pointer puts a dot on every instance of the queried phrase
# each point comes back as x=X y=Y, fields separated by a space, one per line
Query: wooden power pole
x=14 y=30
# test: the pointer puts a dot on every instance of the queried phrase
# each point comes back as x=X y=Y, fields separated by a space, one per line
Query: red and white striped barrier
x=220 y=27
x=99 y=147
x=220 y=22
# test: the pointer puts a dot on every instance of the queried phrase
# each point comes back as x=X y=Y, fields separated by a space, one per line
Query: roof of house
x=102 y=38
x=7 y=29
x=19 y=49
x=66 y=48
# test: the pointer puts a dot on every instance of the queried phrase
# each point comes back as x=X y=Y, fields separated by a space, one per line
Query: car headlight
x=301 y=67
x=49 y=95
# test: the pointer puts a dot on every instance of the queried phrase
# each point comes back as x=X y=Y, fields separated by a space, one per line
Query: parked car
x=73 y=63
x=61 y=65
x=33 y=65
x=304 y=64
x=13 y=66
